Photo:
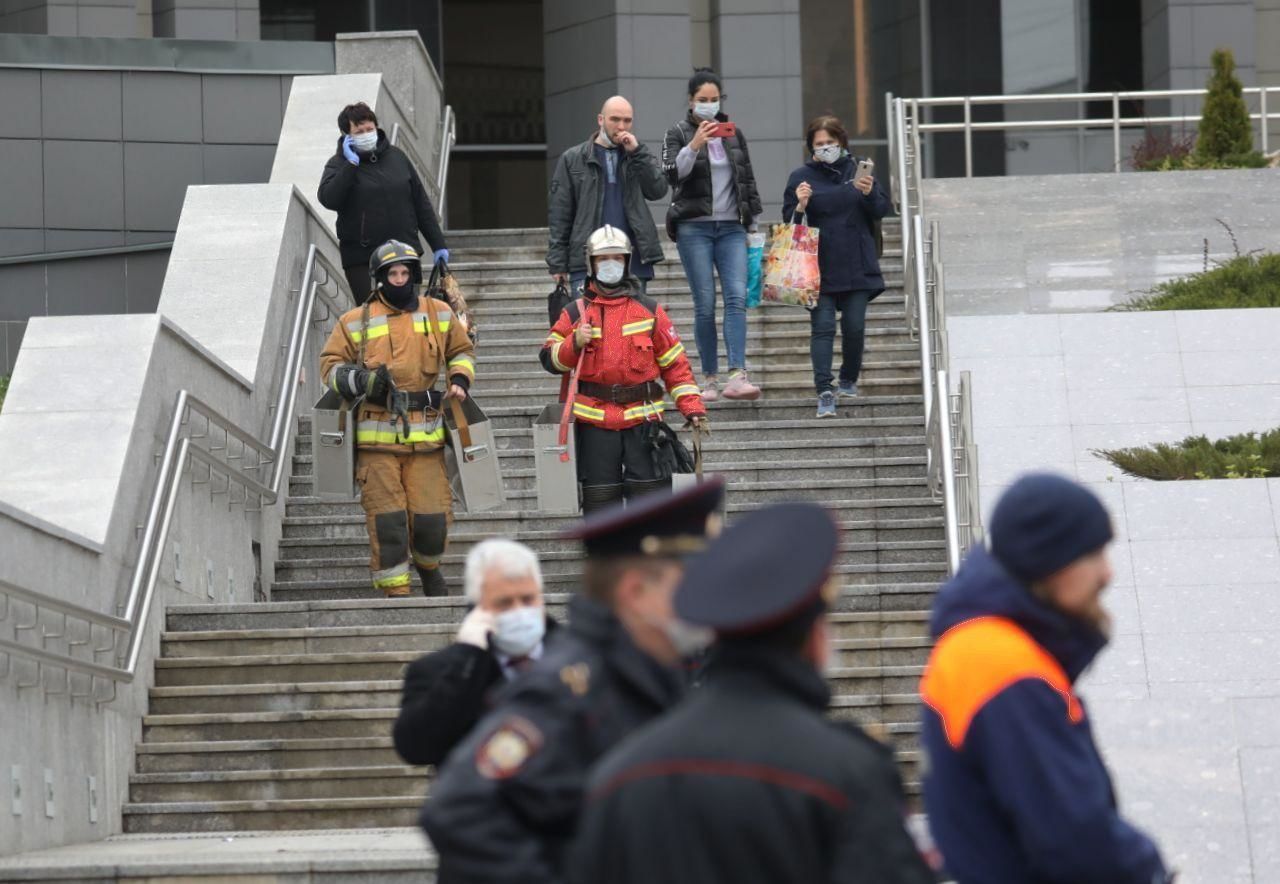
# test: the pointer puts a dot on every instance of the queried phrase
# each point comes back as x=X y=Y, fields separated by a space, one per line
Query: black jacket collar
x=596 y=625
x=766 y=669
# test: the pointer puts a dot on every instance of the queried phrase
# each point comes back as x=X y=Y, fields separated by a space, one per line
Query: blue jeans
x=853 y=327
x=721 y=246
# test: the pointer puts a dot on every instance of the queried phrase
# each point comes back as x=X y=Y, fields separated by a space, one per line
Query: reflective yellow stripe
x=464 y=363
x=580 y=410
x=422 y=327
x=649 y=409
x=555 y=338
x=671 y=355
x=426 y=561
x=387 y=433
x=377 y=328
x=638 y=328
x=397 y=575
x=555 y=358
x=686 y=390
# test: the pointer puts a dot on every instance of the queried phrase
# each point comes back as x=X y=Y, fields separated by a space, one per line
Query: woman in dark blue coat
x=828 y=196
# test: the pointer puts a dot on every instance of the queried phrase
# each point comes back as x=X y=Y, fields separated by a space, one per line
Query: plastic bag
x=755 y=268
x=791 y=274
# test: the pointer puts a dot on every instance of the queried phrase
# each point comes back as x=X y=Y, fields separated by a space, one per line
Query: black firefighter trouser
x=613 y=464
x=408 y=508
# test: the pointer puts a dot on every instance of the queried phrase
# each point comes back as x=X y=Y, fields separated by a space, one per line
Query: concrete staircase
x=277 y=716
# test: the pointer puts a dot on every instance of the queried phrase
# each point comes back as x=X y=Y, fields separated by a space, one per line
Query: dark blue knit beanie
x=1044 y=523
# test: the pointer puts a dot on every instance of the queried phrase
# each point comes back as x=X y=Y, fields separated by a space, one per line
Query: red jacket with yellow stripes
x=634 y=342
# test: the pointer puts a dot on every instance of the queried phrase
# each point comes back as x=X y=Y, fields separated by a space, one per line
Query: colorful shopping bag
x=755 y=268
x=791 y=273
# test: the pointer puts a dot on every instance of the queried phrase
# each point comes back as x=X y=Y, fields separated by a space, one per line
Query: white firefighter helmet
x=608 y=240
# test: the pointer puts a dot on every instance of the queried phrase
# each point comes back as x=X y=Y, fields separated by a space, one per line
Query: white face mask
x=687 y=639
x=365 y=142
x=610 y=272
x=828 y=153
x=707 y=110
x=518 y=631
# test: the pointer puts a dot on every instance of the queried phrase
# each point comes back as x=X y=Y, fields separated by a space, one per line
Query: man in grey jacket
x=605 y=180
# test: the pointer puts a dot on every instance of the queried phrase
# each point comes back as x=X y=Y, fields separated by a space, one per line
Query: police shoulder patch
x=577 y=677
x=508 y=748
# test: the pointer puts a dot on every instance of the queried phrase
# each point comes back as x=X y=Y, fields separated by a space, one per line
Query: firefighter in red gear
x=390 y=353
x=622 y=343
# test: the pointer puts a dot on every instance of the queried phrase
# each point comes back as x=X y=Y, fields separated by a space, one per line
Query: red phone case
x=724 y=130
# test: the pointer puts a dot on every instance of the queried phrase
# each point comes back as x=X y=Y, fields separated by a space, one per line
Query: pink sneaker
x=710 y=389
x=740 y=387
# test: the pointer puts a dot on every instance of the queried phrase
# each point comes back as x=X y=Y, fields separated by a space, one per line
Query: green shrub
x=4 y=388
x=1246 y=456
x=1225 y=129
x=1243 y=281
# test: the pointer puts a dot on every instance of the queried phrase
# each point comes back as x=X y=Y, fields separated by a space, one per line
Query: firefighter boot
x=433 y=584
x=598 y=497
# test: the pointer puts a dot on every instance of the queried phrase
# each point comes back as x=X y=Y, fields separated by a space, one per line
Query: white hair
x=513 y=560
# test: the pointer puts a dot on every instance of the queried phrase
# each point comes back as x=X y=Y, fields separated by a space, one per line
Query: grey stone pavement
x=1186 y=700
x=352 y=856
x=1071 y=243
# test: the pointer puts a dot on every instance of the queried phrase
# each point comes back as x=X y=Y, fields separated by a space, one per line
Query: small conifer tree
x=1225 y=130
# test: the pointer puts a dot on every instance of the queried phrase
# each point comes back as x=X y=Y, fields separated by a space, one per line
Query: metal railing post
x=1115 y=130
x=968 y=138
x=926 y=321
x=948 y=469
x=1266 y=123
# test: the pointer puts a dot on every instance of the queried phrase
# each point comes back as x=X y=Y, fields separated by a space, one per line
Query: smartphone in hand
x=724 y=130
x=865 y=168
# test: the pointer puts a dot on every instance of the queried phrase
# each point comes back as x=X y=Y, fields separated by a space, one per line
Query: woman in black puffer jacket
x=714 y=202
x=378 y=196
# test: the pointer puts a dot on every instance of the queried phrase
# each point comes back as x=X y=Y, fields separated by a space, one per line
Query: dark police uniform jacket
x=445 y=693
x=506 y=802
x=747 y=781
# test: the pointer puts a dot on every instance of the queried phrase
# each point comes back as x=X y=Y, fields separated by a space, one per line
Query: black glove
x=351 y=381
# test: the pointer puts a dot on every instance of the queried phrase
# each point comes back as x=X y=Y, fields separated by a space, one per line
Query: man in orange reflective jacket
x=622 y=343
x=1016 y=791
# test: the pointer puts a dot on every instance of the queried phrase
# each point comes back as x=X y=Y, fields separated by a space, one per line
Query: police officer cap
x=768 y=570
x=667 y=525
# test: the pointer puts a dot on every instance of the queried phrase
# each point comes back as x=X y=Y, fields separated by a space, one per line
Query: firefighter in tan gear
x=389 y=353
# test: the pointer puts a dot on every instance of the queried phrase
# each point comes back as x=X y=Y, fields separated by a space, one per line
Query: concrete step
x=513 y=522
x=529 y=302
x=721 y=455
x=909 y=408
x=471 y=274
x=855 y=681
x=352 y=562
x=282 y=697
x=826 y=489
x=420 y=611
x=867 y=583
x=795 y=331
x=793 y=382
x=397 y=782
x=267 y=755
x=734 y=427
x=417 y=638
x=283 y=815
x=396 y=855
x=312 y=540
x=736 y=473
x=537 y=237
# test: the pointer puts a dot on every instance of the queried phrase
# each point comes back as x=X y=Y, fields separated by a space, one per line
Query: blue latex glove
x=441 y=255
x=350 y=152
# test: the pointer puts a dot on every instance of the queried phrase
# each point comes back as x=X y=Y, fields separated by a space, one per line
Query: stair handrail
x=1115 y=120
x=254 y=455
x=952 y=465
